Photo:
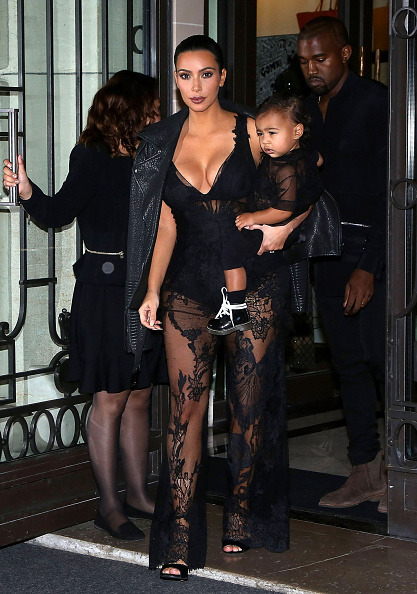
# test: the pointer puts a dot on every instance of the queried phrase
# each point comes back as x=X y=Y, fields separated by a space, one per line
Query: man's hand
x=358 y=292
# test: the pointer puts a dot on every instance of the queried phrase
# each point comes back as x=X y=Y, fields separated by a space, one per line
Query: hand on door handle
x=11 y=179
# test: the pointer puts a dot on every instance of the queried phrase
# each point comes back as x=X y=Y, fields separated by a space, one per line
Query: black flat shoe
x=234 y=543
x=134 y=512
x=126 y=531
x=183 y=575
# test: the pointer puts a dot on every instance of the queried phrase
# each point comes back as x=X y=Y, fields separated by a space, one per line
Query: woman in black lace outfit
x=96 y=191
x=207 y=169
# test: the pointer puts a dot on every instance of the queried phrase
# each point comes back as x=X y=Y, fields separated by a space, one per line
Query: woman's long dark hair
x=120 y=110
x=197 y=43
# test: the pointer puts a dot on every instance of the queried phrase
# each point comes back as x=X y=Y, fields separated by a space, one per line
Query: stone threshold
x=104 y=551
x=321 y=560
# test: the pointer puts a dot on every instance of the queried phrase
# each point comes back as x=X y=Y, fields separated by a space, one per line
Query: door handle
x=404 y=34
x=395 y=184
x=12 y=130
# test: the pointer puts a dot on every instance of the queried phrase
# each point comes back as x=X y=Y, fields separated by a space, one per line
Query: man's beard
x=319 y=90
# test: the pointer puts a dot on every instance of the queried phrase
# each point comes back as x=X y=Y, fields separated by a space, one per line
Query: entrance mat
x=306 y=489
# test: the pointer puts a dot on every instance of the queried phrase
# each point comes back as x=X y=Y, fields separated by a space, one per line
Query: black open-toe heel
x=234 y=543
x=183 y=575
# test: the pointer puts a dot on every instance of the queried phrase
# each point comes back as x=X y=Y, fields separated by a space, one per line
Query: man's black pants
x=357 y=344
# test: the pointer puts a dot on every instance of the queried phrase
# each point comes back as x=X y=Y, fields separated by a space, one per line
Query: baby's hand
x=244 y=220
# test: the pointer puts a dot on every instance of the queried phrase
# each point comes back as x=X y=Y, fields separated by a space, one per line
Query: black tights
x=120 y=423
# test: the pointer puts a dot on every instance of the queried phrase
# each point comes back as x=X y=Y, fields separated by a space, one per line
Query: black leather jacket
x=150 y=168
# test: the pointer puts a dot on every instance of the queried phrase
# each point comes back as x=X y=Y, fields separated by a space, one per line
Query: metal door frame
x=401 y=376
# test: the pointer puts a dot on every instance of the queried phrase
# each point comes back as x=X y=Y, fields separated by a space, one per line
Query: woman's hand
x=147 y=311
x=275 y=237
x=244 y=220
x=11 y=179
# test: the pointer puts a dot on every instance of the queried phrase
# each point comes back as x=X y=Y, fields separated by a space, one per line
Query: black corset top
x=204 y=221
x=233 y=181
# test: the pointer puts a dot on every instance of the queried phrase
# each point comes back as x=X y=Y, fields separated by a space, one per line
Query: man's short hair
x=323 y=24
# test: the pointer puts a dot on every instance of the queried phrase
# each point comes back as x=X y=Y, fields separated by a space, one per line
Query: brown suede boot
x=383 y=504
x=366 y=481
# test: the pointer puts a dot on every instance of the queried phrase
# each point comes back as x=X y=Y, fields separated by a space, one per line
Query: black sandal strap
x=183 y=569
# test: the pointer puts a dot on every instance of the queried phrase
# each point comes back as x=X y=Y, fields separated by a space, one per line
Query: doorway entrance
x=317 y=434
x=383 y=35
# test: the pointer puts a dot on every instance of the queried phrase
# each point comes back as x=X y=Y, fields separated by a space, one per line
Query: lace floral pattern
x=256 y=511
x=289 y=182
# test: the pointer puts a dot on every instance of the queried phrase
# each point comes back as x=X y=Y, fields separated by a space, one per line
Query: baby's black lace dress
x=289 y=183
x=256 y=511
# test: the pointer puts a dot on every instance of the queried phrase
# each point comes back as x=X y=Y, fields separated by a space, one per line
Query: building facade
x=54 y=56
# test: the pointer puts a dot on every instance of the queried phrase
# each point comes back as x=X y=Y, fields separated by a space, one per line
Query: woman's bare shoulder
x=250 y=122
x=253 y=139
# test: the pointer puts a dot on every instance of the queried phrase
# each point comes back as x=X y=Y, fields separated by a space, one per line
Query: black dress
x=256 y=513
x=96 y=191
x=290 y=183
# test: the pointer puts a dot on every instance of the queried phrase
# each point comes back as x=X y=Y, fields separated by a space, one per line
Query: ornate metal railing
x=29 y=418
x=62 y=423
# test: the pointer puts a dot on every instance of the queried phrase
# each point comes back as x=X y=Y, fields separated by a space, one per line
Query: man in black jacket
x=349 y=128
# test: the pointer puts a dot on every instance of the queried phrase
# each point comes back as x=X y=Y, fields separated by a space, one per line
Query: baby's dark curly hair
x=292 y=106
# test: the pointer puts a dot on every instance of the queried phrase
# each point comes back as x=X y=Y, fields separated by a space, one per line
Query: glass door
x=54 y=55
x=401 y=377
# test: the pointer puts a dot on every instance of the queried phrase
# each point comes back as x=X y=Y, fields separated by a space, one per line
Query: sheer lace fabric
x=256 y=511
x=289 y=182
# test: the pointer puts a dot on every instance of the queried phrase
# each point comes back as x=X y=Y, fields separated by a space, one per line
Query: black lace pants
x=256 y=512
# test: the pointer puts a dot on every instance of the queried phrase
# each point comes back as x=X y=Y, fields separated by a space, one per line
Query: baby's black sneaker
x=229 y=318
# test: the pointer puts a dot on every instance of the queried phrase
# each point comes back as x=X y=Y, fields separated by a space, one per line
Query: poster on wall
x=274 y=54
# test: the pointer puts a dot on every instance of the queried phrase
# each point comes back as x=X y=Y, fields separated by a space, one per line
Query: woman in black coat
x=96 y=191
